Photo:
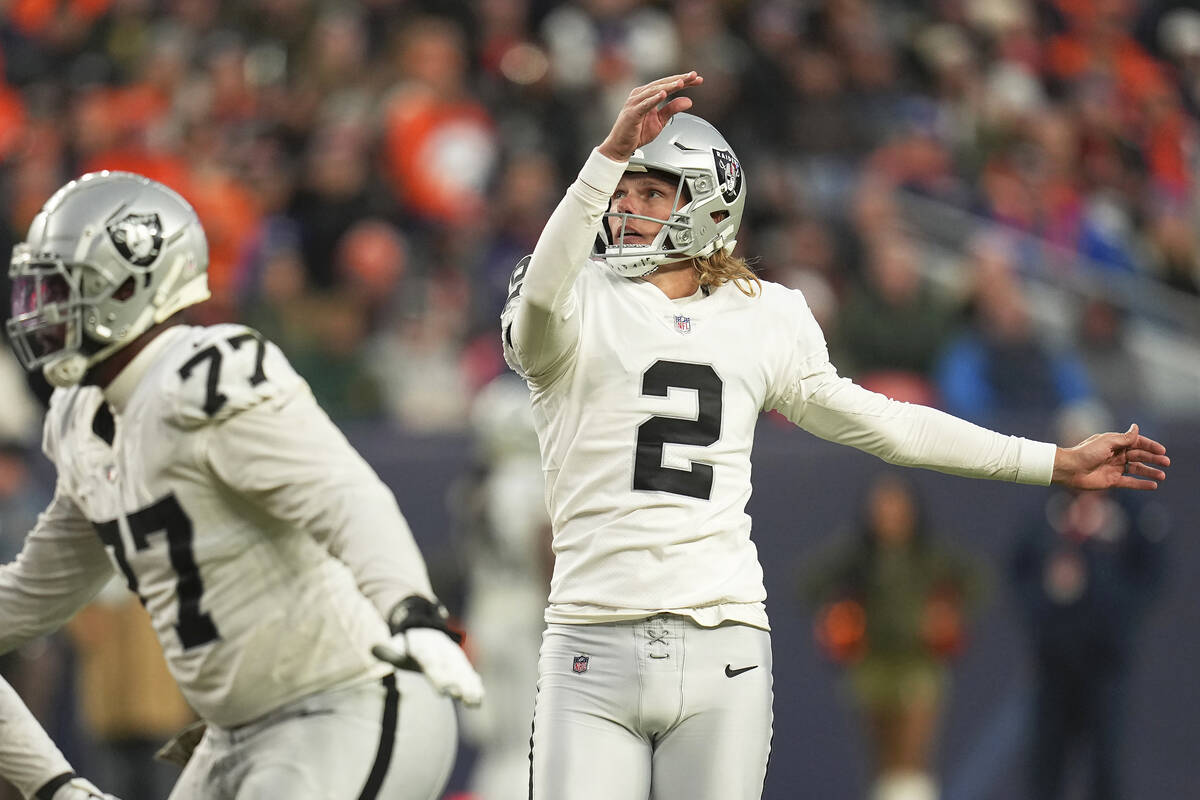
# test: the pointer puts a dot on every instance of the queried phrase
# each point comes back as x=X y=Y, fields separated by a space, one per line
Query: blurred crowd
x=369 y=173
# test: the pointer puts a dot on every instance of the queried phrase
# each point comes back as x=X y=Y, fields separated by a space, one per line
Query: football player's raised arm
x=539 y=323
x=61 y=567
x=290 y=460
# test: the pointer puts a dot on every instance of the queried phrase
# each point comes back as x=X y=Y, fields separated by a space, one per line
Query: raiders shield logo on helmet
x=729 y=173
x=137 y=237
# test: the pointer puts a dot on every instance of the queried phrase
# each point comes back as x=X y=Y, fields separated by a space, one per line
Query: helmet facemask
x=47 y=309
x=94 y=274
x=709 y=197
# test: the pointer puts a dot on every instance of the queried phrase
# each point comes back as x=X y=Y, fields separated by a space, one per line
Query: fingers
x=1148 y=457
x=654 y=92
x=1129 y=482
x=1147 y=444
x=1144 y=471
x=675 y=106
x=676 y=82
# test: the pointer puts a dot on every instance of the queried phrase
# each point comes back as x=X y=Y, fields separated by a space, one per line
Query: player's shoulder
x=770 y=303
x=211 y=373
x=776 y=296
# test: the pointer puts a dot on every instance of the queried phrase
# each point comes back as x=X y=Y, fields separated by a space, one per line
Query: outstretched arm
x=1112 y=460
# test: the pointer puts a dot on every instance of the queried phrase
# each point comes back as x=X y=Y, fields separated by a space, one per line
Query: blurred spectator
x=417 y=359
x=1084 y=571
x=893 y=325
x=440 y=140
x=370 y=261
x=891 y=606
x=1175 y=252
x=1178 y=34
x=335 y=360
x=336 y=186
x=999 y=354
x=1113 y=370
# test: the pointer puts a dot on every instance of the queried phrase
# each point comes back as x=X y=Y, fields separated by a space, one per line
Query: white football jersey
x=646 y=407
x=264 y=548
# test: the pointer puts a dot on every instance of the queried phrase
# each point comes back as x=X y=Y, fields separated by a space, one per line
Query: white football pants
x=657 y=708
x=393 y=739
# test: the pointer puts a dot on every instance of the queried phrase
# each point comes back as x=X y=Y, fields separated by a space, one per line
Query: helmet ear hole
x=125 y=290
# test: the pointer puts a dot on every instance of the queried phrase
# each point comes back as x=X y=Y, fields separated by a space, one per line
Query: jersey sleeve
x=28 y=758
x=540 y=321
x=60 y=568
x=812 y=395
x=288 y=458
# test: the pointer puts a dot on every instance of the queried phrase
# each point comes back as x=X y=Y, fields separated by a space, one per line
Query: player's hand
x=80 y=789
x=437 y=655
x=640 y=119
x=1112 y=461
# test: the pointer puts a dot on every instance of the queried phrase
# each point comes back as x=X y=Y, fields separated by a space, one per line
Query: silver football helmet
x=713 y=189
x=108 y=256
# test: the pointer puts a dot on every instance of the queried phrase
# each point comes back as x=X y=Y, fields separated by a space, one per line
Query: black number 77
x=213 y=398
x=194 y=626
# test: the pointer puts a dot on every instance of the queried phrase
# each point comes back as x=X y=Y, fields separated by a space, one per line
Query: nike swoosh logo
x=733 y=673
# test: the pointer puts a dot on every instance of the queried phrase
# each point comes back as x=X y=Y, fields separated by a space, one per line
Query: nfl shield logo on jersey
x=580 y=664
x=683 y=324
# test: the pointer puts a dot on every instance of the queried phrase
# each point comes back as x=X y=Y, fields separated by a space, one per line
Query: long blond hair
x=721 y=268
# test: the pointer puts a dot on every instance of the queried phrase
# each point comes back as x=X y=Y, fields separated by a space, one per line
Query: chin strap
x=66 y=371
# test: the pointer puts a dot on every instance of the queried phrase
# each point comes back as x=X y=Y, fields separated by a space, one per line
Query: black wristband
x=53 y=785
x=416 y=611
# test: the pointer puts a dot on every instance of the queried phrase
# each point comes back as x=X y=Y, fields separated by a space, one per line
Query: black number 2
x=649 y=474
x=194 y=626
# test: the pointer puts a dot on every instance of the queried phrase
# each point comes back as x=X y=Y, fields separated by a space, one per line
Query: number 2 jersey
x=646 y=408
x=264 y=548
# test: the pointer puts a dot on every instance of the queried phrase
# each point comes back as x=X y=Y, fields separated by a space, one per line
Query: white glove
x=436 y=654
x=80 y=789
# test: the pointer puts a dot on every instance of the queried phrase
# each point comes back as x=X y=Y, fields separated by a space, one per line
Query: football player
x=280 y=576
x=31 y=761
x=649 y=363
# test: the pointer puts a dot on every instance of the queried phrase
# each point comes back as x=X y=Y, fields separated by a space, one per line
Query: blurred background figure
x=891 y=604
x=1001 y=354
x=1084 y=572
x=894 y=324
x=505 y=542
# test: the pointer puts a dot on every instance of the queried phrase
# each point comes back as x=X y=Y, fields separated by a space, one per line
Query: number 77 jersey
x=646 y=426
x=217 y=490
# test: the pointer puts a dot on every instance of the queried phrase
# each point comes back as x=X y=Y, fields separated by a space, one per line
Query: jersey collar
x=119 y=391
